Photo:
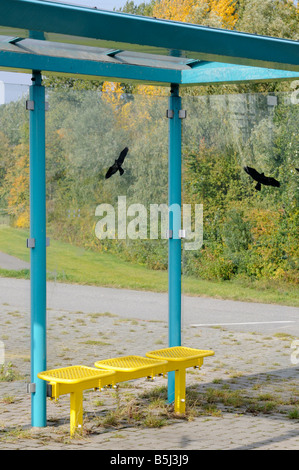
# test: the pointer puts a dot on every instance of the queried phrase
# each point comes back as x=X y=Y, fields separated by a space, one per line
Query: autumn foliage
x=186 y=10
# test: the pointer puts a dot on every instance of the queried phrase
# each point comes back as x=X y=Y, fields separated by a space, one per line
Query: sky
x=101 y=4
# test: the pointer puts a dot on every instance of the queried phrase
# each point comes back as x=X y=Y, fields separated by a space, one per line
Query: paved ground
x=242 y=398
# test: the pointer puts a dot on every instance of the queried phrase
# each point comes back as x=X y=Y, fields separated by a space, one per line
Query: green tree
x=143 y=9
x=277 y=18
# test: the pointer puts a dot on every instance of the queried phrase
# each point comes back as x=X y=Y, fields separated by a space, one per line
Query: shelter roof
x=69 y=39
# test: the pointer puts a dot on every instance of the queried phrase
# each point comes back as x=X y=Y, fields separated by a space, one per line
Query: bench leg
x=76 y=412
x=180 y=391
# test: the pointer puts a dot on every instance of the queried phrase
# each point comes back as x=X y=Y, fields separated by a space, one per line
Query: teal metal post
x=37 y=240
x=174 y=243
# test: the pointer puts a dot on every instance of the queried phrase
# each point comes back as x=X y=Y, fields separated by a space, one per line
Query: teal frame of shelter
x=201 y=56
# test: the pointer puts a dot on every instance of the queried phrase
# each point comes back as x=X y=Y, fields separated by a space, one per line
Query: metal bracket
x=169 y=234
x=113 y=52
x=30 y=242
x=31 y=388
x=170 y=113
x=49 y=390
x=15 y=40
x=30 y=105
x=182 y=233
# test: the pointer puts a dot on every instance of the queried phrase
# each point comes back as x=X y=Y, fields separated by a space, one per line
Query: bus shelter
x=43 y=37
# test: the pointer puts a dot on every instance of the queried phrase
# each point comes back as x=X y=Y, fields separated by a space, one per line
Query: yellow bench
x=75 y=379
x=178 y=359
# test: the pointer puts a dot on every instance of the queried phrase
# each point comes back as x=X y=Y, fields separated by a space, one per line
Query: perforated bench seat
x=133 y=367
x=74 y=380
x=73 y=375
x=179 y=358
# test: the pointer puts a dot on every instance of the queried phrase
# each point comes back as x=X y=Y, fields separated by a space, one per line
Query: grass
x=68 y=263
x=294 y=413
x=8 y=373
x=150 y=409
x=242 y=401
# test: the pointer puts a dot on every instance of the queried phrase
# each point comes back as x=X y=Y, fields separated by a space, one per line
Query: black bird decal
x=261 y=178
x=117 y=164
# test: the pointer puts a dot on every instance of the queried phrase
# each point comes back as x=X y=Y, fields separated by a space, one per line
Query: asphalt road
x=196 y=311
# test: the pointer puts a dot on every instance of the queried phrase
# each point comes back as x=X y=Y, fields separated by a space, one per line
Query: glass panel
x=104 y=231
x=14 y=230
x=250 y=237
